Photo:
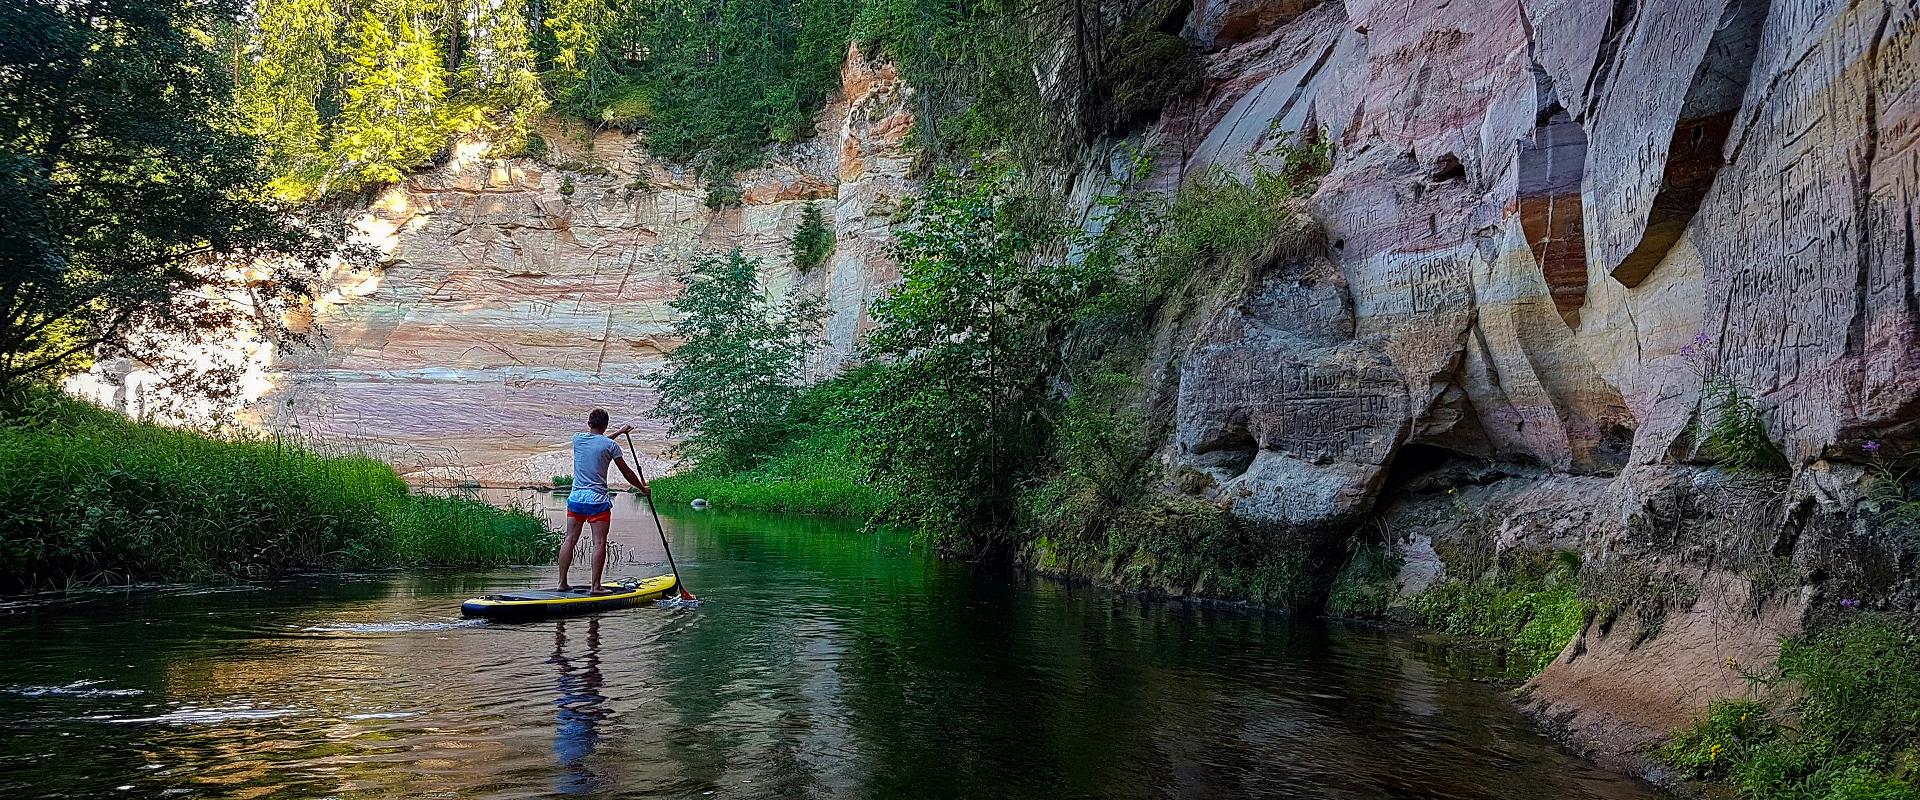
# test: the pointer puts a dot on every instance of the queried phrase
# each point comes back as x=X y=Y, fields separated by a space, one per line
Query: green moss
x=1530 y=603
x=1842 y=723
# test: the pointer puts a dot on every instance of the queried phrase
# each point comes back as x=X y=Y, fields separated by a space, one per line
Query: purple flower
x=1850 y=604
x=1702 y=338
x=1686 y=350
x=1871 y=446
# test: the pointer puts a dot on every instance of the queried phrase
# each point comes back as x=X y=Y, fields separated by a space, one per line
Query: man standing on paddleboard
x=589 y=504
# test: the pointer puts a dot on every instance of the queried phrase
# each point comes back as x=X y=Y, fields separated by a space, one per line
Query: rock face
x=1549 y=225
x=517 y=294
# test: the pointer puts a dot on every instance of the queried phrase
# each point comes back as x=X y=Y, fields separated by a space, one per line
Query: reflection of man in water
x=581 y=707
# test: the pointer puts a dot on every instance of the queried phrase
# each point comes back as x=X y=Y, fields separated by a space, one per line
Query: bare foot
x=600 y=593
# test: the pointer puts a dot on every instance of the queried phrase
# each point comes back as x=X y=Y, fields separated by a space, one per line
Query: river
x=823 y=662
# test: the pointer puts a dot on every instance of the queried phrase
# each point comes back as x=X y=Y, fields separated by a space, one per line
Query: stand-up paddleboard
x=533 y=603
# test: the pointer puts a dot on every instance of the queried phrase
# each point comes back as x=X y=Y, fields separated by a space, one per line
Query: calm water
x=824 y=663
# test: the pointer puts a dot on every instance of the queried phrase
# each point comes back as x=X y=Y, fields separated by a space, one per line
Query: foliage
x=130 y=200
x=93 y=497
x=727 y=387
x=709 y=81
x=563 y=481
x=969 y=336
x=1530 y=603
x=812 y=239
x=1893 y=492
x=1366 y=583
x=976 y=66
x=1737 y=435
x=392 y=115
x=816 y=470
x=1849 y=722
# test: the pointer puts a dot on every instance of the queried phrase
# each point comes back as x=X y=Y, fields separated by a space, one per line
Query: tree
x=280 y=91
x=969 y=335
x=726 y=389
x=136 y=214
x=812 y=239
x=396 y=85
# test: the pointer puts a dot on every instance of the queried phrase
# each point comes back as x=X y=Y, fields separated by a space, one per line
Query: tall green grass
x=815 y=474
x=91 y=497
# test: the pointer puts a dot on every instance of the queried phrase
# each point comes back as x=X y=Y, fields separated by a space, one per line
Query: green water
x=824 y=662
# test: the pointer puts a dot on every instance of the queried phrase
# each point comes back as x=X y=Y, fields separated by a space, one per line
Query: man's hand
x=624 y=430
x=646 y=490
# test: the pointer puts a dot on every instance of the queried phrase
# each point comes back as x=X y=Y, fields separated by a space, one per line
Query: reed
x=92 y=498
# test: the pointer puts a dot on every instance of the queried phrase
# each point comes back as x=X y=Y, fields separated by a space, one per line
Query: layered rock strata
x=517 y=294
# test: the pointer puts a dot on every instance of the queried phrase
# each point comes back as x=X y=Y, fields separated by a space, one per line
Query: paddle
x=642 y=472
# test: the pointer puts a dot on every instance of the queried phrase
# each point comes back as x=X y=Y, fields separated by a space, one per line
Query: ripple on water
x=399 y=626
x=81 y=688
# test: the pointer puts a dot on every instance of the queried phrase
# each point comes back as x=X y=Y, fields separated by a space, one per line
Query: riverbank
x=93 y=498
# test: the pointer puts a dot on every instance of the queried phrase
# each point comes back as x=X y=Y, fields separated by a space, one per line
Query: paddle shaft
x=642 y=472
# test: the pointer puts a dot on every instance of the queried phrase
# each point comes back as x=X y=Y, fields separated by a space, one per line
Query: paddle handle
x=648 y=494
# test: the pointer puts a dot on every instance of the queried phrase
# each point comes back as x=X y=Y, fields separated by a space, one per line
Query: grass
x=815 y=474
x=95 y=498
x=1530 y=604
x=1842 y=721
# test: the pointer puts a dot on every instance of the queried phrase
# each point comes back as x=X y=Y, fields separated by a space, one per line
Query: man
x=589 y=503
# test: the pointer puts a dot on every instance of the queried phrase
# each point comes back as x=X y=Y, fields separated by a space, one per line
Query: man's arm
x=638 y=485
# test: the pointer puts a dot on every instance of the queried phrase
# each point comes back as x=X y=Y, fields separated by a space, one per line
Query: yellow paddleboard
x=553 y=602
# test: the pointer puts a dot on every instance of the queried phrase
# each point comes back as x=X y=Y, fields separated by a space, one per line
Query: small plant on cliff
x=1735 y=432
x=1737 y=435
x=1891 y=495
x=727 y=387
x=812 y=240
x=1842 y=723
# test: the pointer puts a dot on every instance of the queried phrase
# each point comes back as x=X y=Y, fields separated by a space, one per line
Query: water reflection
x=579 y=709
x=827 y=662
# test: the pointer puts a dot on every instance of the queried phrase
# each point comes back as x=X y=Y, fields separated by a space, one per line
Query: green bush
x=1366 y=584
x=1848 y=724
x=94 y=497
x=814 y=470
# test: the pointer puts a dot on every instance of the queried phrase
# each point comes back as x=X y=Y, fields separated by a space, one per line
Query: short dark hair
x=597 y=419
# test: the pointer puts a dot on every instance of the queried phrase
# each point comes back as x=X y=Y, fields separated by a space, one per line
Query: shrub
x=1850 y=720
x=1737 y=435
x=1530 y=603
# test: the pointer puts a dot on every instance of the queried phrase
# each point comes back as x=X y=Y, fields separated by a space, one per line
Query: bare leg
x=600 y=527
x=566 y=549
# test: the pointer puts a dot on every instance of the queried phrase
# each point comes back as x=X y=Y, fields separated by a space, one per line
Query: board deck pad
x=553 y=602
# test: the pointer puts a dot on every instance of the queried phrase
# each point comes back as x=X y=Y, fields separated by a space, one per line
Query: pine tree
x=393 y=119
x=281 y=87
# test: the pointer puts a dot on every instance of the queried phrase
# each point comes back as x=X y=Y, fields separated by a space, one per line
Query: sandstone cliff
x=1548 y=225
x=516 y=294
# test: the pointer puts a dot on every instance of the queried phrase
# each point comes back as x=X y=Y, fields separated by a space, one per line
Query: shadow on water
x=826 y=662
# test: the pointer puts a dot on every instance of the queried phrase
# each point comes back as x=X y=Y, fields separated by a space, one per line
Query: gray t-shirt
x=591 y=454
